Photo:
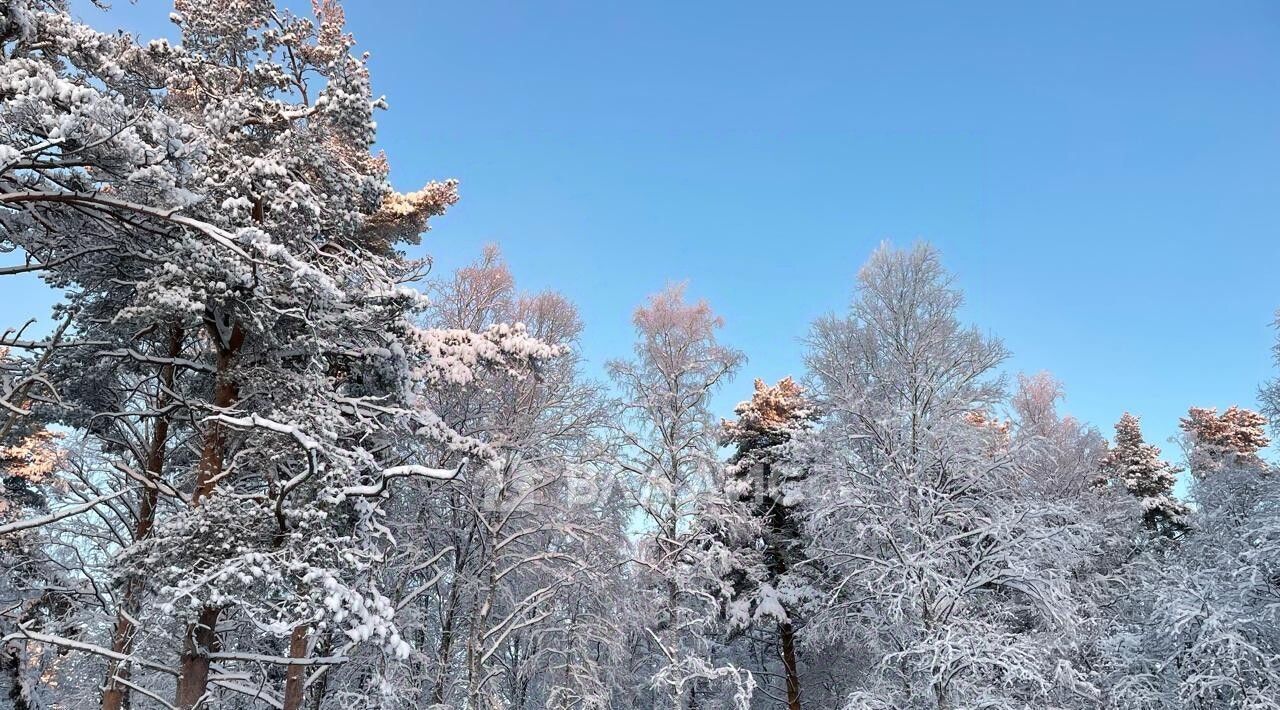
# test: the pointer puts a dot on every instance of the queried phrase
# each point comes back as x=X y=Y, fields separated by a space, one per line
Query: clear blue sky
x=1104 y=178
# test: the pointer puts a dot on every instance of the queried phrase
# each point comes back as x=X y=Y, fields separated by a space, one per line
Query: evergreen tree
x=1214 y=440
x=244 y=351
x=1203 y=624
x=1135 y=466
x=758 y=526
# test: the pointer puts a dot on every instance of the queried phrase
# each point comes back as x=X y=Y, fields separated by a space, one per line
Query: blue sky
x=1101 y=177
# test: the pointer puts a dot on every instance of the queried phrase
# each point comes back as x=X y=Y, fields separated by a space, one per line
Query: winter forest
x=257 y=457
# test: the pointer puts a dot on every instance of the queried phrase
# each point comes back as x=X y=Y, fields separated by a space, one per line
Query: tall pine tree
x=757 y=526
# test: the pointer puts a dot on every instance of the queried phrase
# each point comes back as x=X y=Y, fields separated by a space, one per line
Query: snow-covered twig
x=59 y=515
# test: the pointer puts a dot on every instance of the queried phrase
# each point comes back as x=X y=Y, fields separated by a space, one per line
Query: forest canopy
x=258 y=457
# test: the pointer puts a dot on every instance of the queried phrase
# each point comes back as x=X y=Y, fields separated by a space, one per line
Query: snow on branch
x=253 y=420
x=253 y=691
x=24 y=632
x=59 y=515
x=139 y=689
x=99 y=201
x=278 y=660
x=407 y=471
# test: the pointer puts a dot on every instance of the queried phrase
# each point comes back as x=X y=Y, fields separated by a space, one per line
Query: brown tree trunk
x=116 y=695
x=202 y=637
x=788 y=636
x=295 y=678
x=225 y=393
x=779 y=524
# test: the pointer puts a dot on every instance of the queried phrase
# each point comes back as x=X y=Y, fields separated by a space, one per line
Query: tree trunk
x=788 y=637
x=225 y=393
x=295 y=678
x=201 y=640
x=202 y=637
x=445 y=649
x=116 y=695
x=11 y=666
x=779 y=524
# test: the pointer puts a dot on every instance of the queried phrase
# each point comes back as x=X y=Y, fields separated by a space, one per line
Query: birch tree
x=945 y=580
x=668 y=440
x=510 y=578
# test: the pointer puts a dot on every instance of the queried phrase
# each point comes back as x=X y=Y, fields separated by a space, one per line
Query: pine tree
x=1136 y=466
x=1214 y=440
x=244 y=354
x=757 y=524
x=1202 y=629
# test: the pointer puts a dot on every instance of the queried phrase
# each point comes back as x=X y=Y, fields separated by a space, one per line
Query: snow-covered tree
x=241 y=337
x=1060 y=452
x=1214 y=440
x=1269 y=393
x=508 y=580
x=1203 y=630
x=1135 y=466
x=260 y=460
x=755 y=523
x=33 y=592
x=1061 y=457
x=946 y=575
x=668 y=454
x=671 y=440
